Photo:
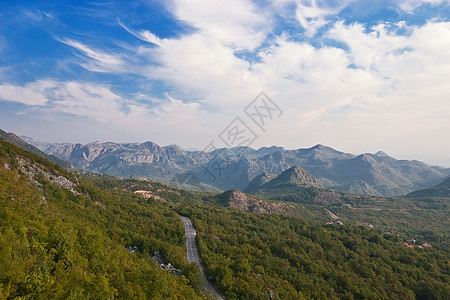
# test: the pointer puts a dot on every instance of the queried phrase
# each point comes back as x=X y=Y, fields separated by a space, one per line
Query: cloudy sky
x=357 y=75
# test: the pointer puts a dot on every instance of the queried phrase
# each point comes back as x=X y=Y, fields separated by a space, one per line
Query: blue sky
x=359 y=76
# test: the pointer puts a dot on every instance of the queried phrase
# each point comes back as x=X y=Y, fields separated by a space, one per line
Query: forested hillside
x=69 y=242
x=260 y=256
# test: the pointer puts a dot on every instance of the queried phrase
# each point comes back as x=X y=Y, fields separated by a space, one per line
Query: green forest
x=64 y=235
x=58 y=245
x=250 y=255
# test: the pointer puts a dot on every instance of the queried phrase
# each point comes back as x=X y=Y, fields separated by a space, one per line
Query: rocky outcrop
x=32 y=170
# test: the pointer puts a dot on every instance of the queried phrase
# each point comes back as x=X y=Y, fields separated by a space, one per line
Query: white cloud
x=313 y=14
x=387 y=91
x=410 y=5
x=83 y=99
x=412 y=103
x=97 y=104
x=143 y=35
x=99 y=61
x=34 y=93
x=237 y=23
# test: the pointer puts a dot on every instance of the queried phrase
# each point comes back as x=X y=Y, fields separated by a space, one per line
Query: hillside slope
x=440 y=190
x=63 y=238
x=14 y=139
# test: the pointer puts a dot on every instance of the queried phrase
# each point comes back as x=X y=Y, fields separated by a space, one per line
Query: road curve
x=192 y=253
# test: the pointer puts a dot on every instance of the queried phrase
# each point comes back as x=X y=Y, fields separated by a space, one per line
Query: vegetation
x=423 y=218
x=55 y=244
x=70 y=242
x=251 y=255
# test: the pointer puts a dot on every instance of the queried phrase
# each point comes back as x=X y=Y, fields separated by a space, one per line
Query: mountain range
x=374 y=174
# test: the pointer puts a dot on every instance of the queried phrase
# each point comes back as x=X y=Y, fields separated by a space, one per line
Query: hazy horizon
x=428 y=159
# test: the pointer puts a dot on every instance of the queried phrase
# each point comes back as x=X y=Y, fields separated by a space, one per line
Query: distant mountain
x=258 y=182
x=440 y=190
x=361 y=187
x=295 y=176
x=14 y=139
x=295 y=185
x=225 y=169
x=382 y=174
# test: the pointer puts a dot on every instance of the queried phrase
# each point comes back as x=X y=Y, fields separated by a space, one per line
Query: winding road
x=192 y=253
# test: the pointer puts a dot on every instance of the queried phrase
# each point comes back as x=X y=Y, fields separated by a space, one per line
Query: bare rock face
x=241 y=201
x=360 y=187
x=32 y=170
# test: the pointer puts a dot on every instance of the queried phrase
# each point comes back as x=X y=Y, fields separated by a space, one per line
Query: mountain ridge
x=226 y=168
x=440 y=190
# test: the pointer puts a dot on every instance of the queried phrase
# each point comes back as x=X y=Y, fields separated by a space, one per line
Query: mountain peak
x=150 y=145
x=299 y=176
x=321 y=147
x=174 y=147
x=381 y=154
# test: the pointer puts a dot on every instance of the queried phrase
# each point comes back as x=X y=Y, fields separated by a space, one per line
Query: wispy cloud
x=33 y=93
x=313 y=14
x=38 y=15
x=143 y=35
x=410 y=5
x=99 y=61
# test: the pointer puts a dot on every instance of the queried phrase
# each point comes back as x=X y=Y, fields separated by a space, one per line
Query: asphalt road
x=192 y=253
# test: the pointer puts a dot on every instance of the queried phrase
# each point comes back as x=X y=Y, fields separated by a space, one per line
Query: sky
x=357 y=75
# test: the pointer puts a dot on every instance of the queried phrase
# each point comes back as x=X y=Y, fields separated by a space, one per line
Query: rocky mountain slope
x=296 y=176
x=294 y=185
x=373 y=174
x=440 y=190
